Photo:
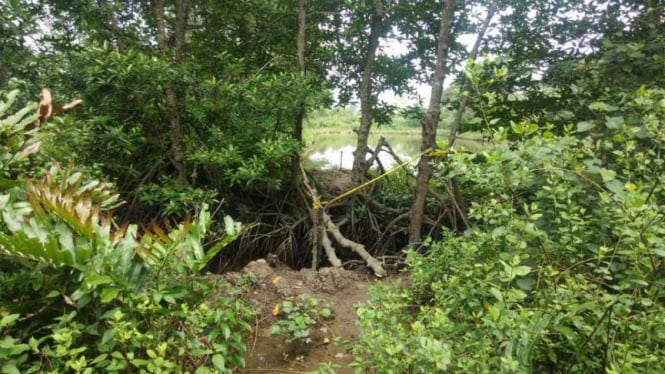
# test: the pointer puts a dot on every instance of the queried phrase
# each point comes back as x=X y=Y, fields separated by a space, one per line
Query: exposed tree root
x=330 y=250
x=372 y=262
x=321 y=218
x=301 y=230
x=453 y=196
x=388 y=231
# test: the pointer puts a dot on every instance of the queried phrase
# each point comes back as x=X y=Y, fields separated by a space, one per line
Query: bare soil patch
x=341 y=290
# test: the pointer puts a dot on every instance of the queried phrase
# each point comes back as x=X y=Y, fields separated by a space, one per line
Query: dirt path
x=339 y=289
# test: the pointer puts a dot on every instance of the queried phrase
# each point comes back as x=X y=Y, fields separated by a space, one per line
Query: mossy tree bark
x=176 y=130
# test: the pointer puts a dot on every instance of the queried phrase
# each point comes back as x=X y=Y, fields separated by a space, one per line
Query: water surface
x=335 y=150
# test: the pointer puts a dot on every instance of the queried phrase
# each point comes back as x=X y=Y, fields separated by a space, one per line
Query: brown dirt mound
x=332 y=183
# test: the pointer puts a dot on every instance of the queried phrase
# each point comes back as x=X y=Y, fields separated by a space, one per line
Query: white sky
x=394 y=47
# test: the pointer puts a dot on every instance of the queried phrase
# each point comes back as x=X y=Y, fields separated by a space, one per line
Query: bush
x=81 y=294
x=562 y=269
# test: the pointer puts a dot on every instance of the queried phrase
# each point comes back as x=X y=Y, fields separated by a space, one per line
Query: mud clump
x=329 y=280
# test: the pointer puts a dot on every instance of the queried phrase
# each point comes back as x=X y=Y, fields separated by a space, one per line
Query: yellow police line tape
x=429 y=152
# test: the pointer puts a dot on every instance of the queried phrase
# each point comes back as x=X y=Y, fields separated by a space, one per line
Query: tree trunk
x=172 y=110
x=3 y=76
x=454 y=128
x=359 y=162
x=429 y=123
x=180 y=29
x=300 y=112
x=652 y=18
x=300 y=45
x=113 y=25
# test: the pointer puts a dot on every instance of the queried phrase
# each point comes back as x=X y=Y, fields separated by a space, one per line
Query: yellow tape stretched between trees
x=429 y=152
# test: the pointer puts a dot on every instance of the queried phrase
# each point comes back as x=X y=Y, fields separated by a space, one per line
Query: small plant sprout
x=295 y=318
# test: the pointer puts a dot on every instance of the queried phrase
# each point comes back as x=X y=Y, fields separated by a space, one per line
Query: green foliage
x=172 y=198
x=297 y=317
x=81 y=294
x=392 y=342
x=326 y=368
x=562 y=269
x=337 y=118
x=509 y=88
x=17 y=22
x=242 y=136
x=412 y=115
x=237 y=126
x=18 y=140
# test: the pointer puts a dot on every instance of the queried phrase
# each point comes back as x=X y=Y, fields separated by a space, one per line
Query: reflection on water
x=329 y=151
x=333 y=157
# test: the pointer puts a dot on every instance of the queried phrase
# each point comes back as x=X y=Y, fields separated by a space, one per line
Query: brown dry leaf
x=276 y=280
x=68 y=301
x=45 y=107
x=33 y=148
x=72 y=104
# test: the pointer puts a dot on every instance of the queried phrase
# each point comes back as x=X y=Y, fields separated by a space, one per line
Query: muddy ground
x=341 y=290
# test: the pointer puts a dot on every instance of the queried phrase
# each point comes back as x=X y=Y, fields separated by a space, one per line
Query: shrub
x=81 y=294
x=562 y=269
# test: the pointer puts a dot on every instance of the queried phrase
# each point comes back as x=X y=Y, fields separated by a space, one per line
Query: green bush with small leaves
x=562 y=269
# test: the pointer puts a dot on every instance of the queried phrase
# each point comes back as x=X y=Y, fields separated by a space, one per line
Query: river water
x=335 y=150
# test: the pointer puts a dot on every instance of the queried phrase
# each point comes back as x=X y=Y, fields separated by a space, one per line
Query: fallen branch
x=389 y=150
x=382 y=146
